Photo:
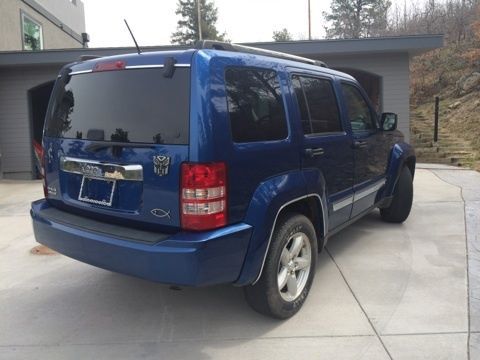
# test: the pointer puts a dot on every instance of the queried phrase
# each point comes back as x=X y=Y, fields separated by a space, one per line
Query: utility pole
x=309 y=23
x=199 y=20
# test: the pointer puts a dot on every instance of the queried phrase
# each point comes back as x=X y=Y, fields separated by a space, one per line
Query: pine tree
x=282 y=35
x=187 y=26
x=357 y=18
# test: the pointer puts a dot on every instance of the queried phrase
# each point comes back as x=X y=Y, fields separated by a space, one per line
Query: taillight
x=43 y=172
x=203 y=197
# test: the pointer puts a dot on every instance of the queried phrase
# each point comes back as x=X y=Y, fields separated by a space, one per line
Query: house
x=31 y=25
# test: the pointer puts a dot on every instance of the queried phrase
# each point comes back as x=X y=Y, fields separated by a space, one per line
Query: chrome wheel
x=294 y=266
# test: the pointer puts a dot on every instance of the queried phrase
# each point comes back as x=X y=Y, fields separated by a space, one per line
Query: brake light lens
x=109 y=66
x=203 y=199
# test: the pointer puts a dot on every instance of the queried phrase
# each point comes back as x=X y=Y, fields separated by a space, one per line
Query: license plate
x=97 y=191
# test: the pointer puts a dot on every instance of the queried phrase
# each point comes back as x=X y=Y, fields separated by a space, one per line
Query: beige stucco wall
x=71 y=14
x=11 y=28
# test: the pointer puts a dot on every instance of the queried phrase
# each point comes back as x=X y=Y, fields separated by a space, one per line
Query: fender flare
x=268 y=200
x=402 y=154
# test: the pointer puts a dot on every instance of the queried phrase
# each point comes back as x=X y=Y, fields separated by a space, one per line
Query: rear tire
x=401 y=204
x=288 y=271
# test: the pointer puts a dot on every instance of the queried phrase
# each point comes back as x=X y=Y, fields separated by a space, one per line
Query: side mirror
x=389 y=121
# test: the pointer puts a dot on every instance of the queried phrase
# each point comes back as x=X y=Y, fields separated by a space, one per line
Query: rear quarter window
x=255 y=105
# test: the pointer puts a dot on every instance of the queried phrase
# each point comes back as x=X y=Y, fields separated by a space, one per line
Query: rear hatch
x=115 y=137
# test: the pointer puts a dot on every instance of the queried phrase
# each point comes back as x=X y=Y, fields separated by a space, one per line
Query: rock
x=459 y=83
x=469 y=83
x=476 y=103
x=455 y=105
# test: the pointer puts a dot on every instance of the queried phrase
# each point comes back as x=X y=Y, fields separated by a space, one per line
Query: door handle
x=359 y=144
x=312 y=152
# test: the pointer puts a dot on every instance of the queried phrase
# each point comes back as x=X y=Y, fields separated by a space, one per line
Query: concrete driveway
x=381 y=291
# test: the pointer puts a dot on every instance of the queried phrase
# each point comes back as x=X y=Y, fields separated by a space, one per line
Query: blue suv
x=216 y=164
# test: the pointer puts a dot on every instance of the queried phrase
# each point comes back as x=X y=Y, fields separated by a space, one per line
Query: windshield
x=123 y=106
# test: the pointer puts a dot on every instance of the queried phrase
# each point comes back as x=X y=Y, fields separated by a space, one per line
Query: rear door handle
x=312 y=152
x=359 y=144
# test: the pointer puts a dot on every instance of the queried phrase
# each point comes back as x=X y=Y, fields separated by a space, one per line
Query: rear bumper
x=190 y=259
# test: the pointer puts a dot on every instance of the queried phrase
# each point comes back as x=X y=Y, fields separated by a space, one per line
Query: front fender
x=268 y=199
x=401 y=154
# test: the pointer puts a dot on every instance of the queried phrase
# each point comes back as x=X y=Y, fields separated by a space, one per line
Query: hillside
x=453 y=74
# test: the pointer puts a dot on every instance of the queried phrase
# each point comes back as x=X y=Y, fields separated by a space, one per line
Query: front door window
x=359 y=113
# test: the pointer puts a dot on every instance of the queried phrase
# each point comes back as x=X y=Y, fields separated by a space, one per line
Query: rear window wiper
x=96 y=146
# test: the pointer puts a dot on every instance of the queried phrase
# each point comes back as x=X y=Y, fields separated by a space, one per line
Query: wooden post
x=435 y=131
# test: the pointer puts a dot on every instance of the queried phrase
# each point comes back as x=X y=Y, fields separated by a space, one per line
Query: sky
x=153 y=21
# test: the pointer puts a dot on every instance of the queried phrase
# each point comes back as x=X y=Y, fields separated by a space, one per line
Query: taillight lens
x=203 y=198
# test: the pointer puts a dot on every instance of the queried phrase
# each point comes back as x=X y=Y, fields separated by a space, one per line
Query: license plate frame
x=105 y=202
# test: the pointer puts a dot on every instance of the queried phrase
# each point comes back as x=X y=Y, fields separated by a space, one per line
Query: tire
x=401 y=204
x=267 y=296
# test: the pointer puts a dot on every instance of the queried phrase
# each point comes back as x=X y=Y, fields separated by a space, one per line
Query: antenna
x=133 y=37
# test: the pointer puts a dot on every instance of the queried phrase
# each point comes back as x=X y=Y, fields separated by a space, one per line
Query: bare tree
x=449 y=17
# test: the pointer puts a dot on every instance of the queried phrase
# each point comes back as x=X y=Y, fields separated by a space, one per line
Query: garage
x=381 y=65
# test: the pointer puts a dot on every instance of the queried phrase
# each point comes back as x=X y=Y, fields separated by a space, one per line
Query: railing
x=435 y=129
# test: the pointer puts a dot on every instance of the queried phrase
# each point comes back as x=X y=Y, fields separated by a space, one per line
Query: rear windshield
x=123 y=106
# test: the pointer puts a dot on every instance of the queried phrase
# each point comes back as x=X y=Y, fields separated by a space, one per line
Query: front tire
x=288 y=271
x=401 y=204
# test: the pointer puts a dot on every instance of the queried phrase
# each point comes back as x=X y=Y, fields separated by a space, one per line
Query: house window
x=32 y=34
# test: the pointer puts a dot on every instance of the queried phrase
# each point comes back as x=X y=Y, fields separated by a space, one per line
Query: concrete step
x=445 y=155
x=434 y=161
x=464 y=153
x=449 y=149
x=432 y=155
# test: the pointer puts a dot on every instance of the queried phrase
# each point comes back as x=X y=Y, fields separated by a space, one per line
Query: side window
x=255 y=105
x=359 y=113
x=302 y=104
x=318 y=105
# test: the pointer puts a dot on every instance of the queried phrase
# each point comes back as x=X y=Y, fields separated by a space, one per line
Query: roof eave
x=413 y=45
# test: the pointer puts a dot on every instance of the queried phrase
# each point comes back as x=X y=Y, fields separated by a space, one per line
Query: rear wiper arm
x=96 y=146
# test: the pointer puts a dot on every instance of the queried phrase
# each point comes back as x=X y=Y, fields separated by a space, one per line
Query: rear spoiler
x=88 y=57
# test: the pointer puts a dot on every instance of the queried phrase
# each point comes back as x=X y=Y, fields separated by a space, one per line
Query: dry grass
x=436 y=74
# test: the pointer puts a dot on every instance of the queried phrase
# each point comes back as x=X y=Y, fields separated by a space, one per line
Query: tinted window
x=255 y=105
x=359 y=113
x=126 y=106
x=302 y=104
x=318 y=105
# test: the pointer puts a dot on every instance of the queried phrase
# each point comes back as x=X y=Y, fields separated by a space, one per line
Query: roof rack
x=219 y=45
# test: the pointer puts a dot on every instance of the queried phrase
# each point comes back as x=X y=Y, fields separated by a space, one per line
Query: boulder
x=455 y=105
x=469 y=83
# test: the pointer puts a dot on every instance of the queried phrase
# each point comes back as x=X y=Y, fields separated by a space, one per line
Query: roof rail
x=219 y=45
